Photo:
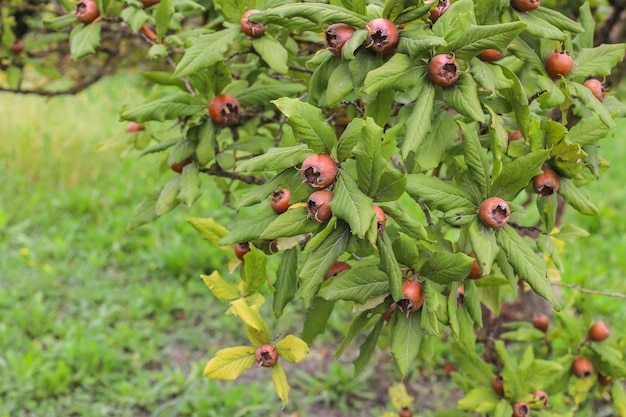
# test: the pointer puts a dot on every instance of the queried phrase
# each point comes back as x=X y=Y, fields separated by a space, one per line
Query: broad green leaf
x=272 y=52
x=254 y=274
x=570 y=233
x=168 y=107
x=358 y=323
x=406 y=337
x=286 y=281
x=436 y=193
x=309 y=16
x=209 y=229
x=539 y=27
x=484 y=245
x=316 y=318
x=499 y=140
x=393 y=74
x=351 y=205
x=517 y=174
x=275 y=159
x=591 y=102
x=229 y=363
x=168 y=198
x=292 y=349
x=252 y=318
x=145 y=212
x=85 y=39
x=246 y=230
x=557 y=19
x=516 y=96
x=576 y=198
x=369 y=162
x=221 y=289
x=476 y=159
x=541 y=373
x=308 y=124
x=471 y=301
x=316 y=264
x=414 y=42
x=455 y=21
x=380 y=108
x=405 y=249
x=190 y=185
x=588 y=131
x=528 y=265
x=261 y=94
x=482 y=400
x=391 y=187
x=588 y=23
x=356 y=284
x=163 y=16
x=598 y=61
x=366 y=350
x=463 y=97
x=474 y=367
x=204 y=137
x=460 y=216
x=407 y=223
x=349 y=139
x=389 y=265
x=478 y=38
x=431 y=308
x=392 y=9
x=619 y=398
x=444 y=267
x=60 y=22
x=412 y=14
x=526 y=332
x=419 y=121
x=279 y=378
x=339 y=84
x=442 y=136
x=206 y=51
x=293 y=222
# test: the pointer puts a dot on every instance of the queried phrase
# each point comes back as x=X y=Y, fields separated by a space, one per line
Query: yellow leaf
x=292 y=349
x=221 y=289
x=229 y=363
x=279 y=378
x=399 y=397
x=252 y=317
x=209 y=229
x=255 y=337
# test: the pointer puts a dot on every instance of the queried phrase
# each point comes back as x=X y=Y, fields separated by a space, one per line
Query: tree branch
x=588 y=291
x=219 y=172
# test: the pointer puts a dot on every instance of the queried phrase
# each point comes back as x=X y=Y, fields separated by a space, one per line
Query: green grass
x=99 y=321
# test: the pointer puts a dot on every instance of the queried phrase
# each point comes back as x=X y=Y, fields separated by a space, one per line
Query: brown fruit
x=224 y=110
x=319 y=171
x=443 y=70
x=498 y=386
x=599 y=331
x=541 y=322
x=17 y=46
x=336 y=268
x=448 y=368
x=476 y=272
x=405 y=412
x=516 y=135
x=436 y=12
x=558 y=64
x=596 y=88
x=87 y=11
x=525 y=5
x=279 y=201
x=148 y=3
x=178 y=166
x=494 y=212
x=546 y=183
x=521 y=409
x=336 y=37
x=252 y=29
x=241 y=249
x=582 y=367
x=540 y=398
x=266 y=355
x=134 y=127
x=318 y=205
x=382 y=36
x=413 y=296
x=490 y=55
x=382 y=218
x=605 y=381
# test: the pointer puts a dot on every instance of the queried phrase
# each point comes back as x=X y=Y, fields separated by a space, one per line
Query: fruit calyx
x=87 y=11
x=336 y=36
x=546 y=183
x=250 y=28
x=318 y=205
x=382 y=36
x=494 y=212
x=279 y=200
x=443 y=70
x=319 y=171
x=582 y=367
x=266 y=356
x=224 y=110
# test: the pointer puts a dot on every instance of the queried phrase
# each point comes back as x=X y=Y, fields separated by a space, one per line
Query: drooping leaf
x=272 y=52
x=356 y=284
x=316 y=318
x=293 y=222
x=367 y=348
x=351 y=205
x=286 y=281
x=406 y=337
x=221 y=289
x=168 y=107
x=576 y=198
x=389 y=265
x=444 y=267
x=292 y=349
x=85 y=39
x=275 y=159
x=229 y=363
x=251 y=316
x=478 y=38
x=309 y=16
x=209 y=229
x=279 y=378
x=517 y=174
x=308 y=124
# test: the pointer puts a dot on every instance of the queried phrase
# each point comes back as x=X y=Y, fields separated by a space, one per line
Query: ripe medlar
x=558 y=64
x=382 y=218
x=596 y=88
x=279 y=200
x=540 y=397
x=336 y=268
x=599 y=331
x=178 y=166
x=148 y=3
x=605 y=381
x=17 y=46
x=318 y=205
x=266 y=356
x=546 y=183
x=436 y=12
x=382 y=36
x=87 y=11
x=490 y=55
x=241 y=249
x=224 y=110
x=413 y=296
x=405 y=412
x=516 y=135
x=443 y=70
x=498 y=386
x=494 y=212
x=134 y=127
x=252 y=29
x=541 y=322
x=476 y=272
x=319 y=171
x=521 y=409
x=336 y=37
x=525 y=5
x=582 y=367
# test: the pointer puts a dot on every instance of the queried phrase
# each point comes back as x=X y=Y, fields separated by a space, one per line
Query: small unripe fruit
x=241 y=249
x=17 y=46
x=319 y=171
x=266 y=356
x=443 y=70
x=178 y=166
x=541 y=322
x=224 y=110
x=148 y=3
x=336 y=37
x=558 y=64
x=498 y=386
x=525 y=5
x=279 y=201
x=596 y=88
x=318 y=205
x=546 y=183
x=494 y=212
x=599 y=332
x=476 y=272
x=441 y=7
x=134 y=127
x=336 y=268
x=521 y=409
x=87 y=11
x=605 y=381
x=405 y=412
x=413 y=296
x=382 y=36
x=252 y=29
x=490 y=55
x=582 y=367
x=516 y=135
x=381 y=217
x=540 y=398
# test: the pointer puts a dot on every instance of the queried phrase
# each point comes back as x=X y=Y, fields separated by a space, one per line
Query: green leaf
x=591 y=102
x=419 y=121
x=351 y=205
x=407 y=223
x=576 y=198
x=229 y=363
x=516 y=96
x=169 y=107
x=356 y=284
x=463 y=97
x=619 y=398
x=369 y=162
x=528 y=265
x=417 y=40
x=366 y=350
x=189 y=185
x=471 y=301
x=309 y=16
x=261 y=94
x=476 y=159
x=279 y=378
x=389 y=265
x=275 y=159
x=206 y=51
x=163 y=16
x=484 y=245
x=292 y=349
x=209 y=229
x=316 y=318
x=537 y=26
x=588 y=131
x=393 y=74
x=405 y=249
x=167 y=199
x=482 y=400
x=204 y=137
x=316 y=264
x=598 y=61
x=444 y=267
x=557 y=19
x=308 y=124
x=436 y=193
x=478 y=38
x=221 y=289
x=272 y=52
x=339 y=84
x=293 y=222
x=248 y=229
x=391 y=187
x=570 y=233
x=145 y=212
x=85 y=39
x=406 y=337
x=60 y=22
x=517 y=174
x=254 y=273
x=251 y=316
x=433 y=147
x=455 y=21
x=286 y=281
x=432 y=307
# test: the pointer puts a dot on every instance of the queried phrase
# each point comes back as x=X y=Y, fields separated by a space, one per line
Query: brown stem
x=219 y=172
x=588 y=291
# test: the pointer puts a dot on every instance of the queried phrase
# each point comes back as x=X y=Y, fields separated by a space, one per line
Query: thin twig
x=429 y=219
x=588 y=291
x=219 y=172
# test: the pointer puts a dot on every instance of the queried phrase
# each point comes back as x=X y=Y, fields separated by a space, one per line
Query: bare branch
x=588 y=291
x=219 y=172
